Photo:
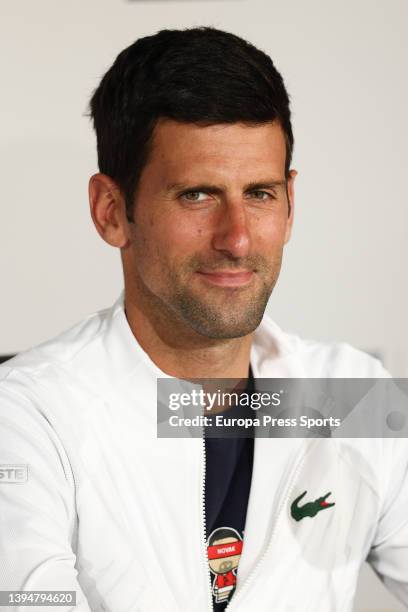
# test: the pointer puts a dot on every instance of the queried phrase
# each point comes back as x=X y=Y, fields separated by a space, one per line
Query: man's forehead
x=185 y=153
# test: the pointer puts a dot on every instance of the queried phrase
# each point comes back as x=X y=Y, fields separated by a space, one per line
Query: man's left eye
x=265 y=195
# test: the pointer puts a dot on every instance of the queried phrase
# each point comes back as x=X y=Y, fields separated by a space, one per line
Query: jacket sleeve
x=389 y=552
x=37 y=510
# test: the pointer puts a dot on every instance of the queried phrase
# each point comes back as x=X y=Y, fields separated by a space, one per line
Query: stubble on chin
x=220 y=313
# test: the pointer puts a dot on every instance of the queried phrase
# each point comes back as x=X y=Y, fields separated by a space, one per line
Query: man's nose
x=231 y=232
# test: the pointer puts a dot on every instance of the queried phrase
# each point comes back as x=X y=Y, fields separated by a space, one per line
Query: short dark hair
x=221 y=533
x=196 y=75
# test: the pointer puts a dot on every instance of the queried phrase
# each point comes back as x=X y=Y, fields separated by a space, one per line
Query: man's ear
x=108 y=210
x=291 y=204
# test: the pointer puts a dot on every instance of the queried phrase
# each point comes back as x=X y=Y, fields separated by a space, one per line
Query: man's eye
x=263 y=195
x=191 y=196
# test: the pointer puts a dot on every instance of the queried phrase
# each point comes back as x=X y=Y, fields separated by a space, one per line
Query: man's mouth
x=227 y=278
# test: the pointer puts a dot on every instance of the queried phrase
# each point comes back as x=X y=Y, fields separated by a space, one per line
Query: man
x=196 y=190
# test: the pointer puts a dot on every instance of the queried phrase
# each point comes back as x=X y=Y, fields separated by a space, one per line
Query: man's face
x=207 y=240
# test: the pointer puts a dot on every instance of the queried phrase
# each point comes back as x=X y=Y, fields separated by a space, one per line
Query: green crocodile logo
x=309 y=509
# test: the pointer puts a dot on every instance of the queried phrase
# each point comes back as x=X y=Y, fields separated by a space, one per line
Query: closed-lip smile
x=227 y=277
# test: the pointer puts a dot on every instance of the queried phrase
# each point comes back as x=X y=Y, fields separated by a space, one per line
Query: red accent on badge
x=229 y=549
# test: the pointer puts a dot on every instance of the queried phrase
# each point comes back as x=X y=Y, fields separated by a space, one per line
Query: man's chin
x=224 y=318
x=217 y=328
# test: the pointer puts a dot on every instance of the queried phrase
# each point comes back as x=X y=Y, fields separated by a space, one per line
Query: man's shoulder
x=57 y=361
x=313 y=358
x=59 y=350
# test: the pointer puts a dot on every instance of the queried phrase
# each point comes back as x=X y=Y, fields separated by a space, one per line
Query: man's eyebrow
x=267 y=184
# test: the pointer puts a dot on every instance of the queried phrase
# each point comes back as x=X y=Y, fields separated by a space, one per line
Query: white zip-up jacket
x=116 y=514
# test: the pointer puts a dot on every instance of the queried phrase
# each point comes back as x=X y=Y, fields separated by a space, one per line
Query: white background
x=345 y=66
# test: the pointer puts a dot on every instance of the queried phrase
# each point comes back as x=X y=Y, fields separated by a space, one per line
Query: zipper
x=284 y=499
x=205 y=556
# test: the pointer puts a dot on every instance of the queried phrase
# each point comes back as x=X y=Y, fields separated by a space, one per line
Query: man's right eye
x=186 y=195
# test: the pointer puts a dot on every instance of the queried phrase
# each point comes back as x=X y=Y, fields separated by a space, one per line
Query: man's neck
x=181 y=352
